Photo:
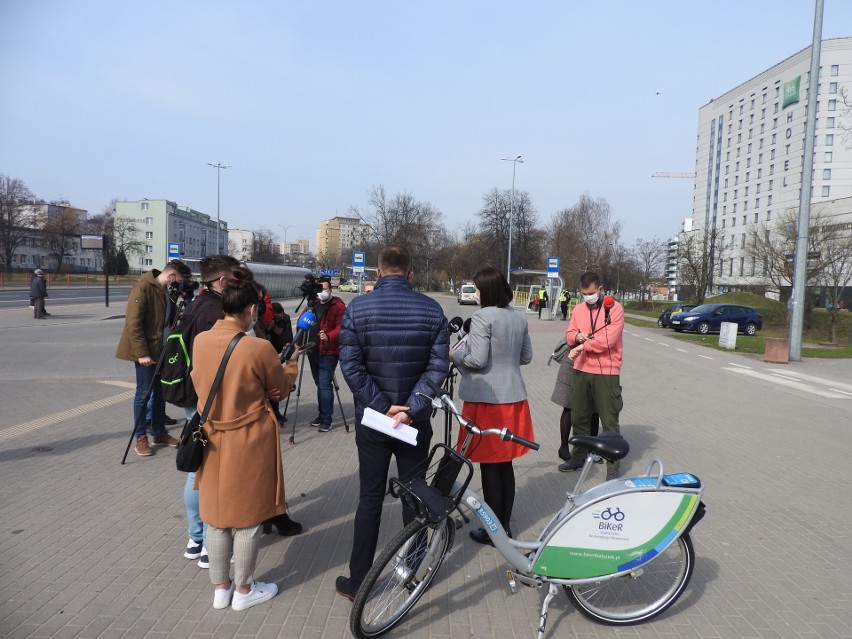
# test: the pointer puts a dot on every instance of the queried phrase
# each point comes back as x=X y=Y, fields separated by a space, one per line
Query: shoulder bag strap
x=215 y=388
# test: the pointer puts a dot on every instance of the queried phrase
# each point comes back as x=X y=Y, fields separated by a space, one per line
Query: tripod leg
x=339 y=403
x=292 y=440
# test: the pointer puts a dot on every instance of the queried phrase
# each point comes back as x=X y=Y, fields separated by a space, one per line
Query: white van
x=466 y=294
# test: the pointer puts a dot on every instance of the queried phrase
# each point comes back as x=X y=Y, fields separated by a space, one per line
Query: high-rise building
x=161 y=223
x=338 y=236
x=750 y=151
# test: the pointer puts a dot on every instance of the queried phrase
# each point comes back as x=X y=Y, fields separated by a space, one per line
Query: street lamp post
x=286 y=246
x=511 y=212
x=218 y=166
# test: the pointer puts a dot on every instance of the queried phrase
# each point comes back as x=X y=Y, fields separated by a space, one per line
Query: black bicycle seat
x=610 y=446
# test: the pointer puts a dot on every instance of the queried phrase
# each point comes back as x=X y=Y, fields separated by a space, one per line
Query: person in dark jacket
x=38 y=291
x=392 y=343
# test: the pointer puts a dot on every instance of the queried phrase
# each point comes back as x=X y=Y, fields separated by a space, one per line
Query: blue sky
x=314 y=102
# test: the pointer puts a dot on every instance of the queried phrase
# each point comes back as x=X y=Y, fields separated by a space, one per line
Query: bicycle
x=621 y=550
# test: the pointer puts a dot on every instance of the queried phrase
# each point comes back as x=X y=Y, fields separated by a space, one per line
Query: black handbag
x=190 y=451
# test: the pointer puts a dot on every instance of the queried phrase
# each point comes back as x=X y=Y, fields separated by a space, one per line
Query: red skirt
x=491 y=449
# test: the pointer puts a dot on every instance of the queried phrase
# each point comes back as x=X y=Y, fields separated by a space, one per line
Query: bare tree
x=494 y=214
x=650 y=255
x=61 y=234
x=694 y=263
x=837 y=274
x=16 y=217
x=263 y=247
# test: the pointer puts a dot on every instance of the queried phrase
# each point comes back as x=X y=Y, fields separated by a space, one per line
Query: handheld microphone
x=455 y=325
x=303 y=327
x=466 y=327
x=608 y=303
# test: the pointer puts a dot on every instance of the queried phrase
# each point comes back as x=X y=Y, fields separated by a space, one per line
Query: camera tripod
x=180 y=304
x=306 y=346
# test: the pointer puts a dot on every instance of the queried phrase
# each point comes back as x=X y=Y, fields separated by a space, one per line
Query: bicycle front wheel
x=641 y=594
x=400 y=576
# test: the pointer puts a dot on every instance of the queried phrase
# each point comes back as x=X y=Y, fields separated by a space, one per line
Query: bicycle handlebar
x=446 y=402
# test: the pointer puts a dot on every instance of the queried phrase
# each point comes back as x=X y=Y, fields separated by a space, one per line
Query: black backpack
x=175 y=381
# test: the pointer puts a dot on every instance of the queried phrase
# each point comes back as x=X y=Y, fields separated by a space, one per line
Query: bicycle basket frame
x=433 y=497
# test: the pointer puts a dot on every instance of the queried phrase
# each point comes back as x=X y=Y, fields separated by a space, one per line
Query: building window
x=829 y=139
x=149 y=261
x=149 y=235
x=826 y=191
x=832 y=105
x=756 y=217
x=768 y=218
x=143 y=206
x=149 y=221
x=832 y=88
x=829 y=123
x=774 y=138
x=826 y=174
x=827 y=157
x=835 y=69
x=149 y=248
x=769 y=201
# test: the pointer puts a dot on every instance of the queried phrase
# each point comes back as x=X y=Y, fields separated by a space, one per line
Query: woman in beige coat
x=241 y=480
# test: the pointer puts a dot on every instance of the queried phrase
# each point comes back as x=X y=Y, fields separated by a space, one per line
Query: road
x=19 y=297
x=92 y=549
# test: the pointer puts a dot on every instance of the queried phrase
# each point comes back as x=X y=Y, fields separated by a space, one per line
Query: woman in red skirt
x=493 y=390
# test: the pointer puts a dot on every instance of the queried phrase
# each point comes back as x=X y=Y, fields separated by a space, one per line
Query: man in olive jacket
x=145 y=321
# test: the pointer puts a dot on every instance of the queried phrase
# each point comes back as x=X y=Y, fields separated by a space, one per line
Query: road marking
x=739 y=365
x=649 y=339
x=56 y=418
x=841 y=391
x=681 y=350
x=706 y=357
x=810 y=378
x=775 y=379
x=664 y=344
x=120 y=384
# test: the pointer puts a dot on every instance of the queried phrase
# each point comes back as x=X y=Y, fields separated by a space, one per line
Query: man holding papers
x=392 y=342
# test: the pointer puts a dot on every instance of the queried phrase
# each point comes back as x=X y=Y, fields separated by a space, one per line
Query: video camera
x=310 y=288
x=183 y=290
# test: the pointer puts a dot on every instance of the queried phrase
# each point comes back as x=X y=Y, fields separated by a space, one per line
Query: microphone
x=466 y=327
x=608 y=303
x=303 y=327
x=455 y=325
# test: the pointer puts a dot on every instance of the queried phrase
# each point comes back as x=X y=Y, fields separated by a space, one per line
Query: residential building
x=161 y=223
x=339 y=235
x=240 y=243
x=750 y=151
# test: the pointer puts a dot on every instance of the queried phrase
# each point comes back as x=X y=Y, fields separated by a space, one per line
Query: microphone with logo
x=303 y=327
x=455 y=325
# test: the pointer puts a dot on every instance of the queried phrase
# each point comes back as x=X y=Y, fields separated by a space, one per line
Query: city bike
x=621 y=550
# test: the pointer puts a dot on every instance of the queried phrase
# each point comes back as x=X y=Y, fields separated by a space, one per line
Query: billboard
x=791 y=91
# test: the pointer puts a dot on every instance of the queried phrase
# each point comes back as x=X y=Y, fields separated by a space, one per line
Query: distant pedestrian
x=323 y=358
x=38 y=291
x=542 y=300
x=564 y=298
x=561 y=396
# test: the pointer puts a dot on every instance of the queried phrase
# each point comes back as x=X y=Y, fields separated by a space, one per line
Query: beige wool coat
x=241 y=480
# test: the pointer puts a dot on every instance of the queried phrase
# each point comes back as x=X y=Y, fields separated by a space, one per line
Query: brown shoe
x=166 y=440
x=142 y=447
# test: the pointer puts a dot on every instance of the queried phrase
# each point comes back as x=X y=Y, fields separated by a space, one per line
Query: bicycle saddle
x=610 y=446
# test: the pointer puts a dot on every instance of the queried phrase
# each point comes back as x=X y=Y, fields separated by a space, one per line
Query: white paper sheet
x=384 y=424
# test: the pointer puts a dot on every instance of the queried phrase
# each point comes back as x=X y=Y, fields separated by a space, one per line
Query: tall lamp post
x=289 y=226
x=511 y=212
x=218 y=166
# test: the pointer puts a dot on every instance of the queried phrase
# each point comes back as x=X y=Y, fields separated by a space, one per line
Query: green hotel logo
x=791 y=92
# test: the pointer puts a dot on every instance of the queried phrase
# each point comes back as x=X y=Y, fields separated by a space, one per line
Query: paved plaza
x=92 y=549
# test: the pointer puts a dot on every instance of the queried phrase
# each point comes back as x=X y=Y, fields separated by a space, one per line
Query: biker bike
x=621 y=550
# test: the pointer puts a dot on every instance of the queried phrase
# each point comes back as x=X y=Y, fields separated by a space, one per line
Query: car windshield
x=704 y=308
x=468 y=289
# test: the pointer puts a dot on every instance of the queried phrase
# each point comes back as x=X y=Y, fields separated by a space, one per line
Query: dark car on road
x=666 y=315
x=709 y=317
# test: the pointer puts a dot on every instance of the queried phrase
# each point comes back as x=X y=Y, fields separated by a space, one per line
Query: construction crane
x=673 y=175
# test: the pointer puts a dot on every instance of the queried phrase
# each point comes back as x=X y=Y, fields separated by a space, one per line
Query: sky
x=313 y=103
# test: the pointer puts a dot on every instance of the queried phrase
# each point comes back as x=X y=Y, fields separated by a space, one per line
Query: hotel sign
x=791 y=92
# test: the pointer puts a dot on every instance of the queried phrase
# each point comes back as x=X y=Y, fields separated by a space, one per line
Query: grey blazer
x=498 y=344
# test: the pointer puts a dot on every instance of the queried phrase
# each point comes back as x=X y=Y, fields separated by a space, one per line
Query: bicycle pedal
x=513 y=586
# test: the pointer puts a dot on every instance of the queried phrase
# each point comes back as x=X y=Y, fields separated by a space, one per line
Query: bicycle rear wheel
x=400 y=576
x=641 y=594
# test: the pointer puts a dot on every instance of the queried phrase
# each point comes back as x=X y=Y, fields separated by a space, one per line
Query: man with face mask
x=595 y=336
x=148 y=314
x=325 y=333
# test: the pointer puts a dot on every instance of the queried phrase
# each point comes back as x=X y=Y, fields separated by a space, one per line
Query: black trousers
x=374 y=456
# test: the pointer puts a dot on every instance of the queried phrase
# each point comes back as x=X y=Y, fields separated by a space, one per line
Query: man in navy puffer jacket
x=392 y=340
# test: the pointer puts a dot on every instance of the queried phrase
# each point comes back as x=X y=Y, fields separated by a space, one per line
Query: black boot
x=286 y=526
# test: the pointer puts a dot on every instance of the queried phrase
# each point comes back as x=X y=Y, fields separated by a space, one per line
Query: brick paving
x=93 y=549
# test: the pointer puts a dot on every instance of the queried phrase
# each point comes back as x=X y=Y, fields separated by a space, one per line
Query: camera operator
x=147 y=317
x=280 y=334
x=323 y=358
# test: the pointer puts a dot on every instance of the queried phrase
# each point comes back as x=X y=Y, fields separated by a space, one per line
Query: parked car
x=666 y=315
x=348 y=287
x=466 y=294
x=709 y=317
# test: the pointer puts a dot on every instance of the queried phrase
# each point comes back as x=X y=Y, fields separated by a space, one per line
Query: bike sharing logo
x=610 y=522
x=483 y=514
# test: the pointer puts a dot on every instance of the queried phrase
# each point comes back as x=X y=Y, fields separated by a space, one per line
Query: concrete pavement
x=93 y=549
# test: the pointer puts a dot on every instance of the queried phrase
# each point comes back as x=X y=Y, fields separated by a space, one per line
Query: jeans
x=197 y=529
x=144 y=379
x=322 y=369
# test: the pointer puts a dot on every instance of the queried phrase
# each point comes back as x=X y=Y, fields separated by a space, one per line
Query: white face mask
x=591 y=299
x=324 y=296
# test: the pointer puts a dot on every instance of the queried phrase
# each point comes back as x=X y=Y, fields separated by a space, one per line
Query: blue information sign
x=329 y=272
x=553 y=265
x=357 y=261
x=174 y=250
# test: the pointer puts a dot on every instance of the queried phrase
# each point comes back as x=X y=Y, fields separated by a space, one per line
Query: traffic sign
x=357 y=261
x=174 y=250
x=553 y=266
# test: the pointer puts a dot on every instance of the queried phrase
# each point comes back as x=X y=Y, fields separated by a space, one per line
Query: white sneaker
x=193 y=549
x=222 y=597
x=259 y=593
x=203 y=559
